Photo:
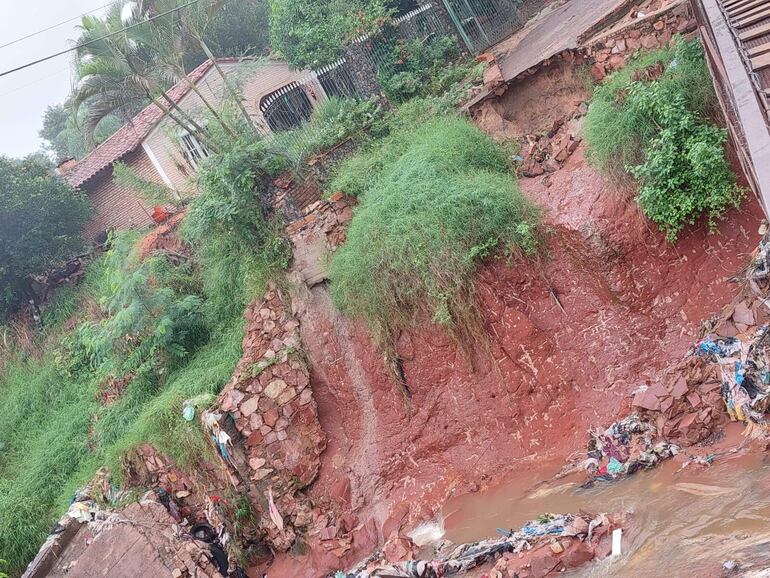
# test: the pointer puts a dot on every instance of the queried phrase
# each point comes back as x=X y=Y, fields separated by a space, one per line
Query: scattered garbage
x=624 y=448
x=557 y=533
x=745 y=373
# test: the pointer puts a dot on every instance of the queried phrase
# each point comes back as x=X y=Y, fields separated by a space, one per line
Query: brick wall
x=116 y=206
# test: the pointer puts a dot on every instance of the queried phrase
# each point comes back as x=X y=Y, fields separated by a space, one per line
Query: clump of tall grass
x=436 y=199
x=655 y=122
x=617 y=131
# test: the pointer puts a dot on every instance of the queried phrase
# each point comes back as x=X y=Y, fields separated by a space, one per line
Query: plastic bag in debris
x=745 y=373
x=188 y=413
x=762 y=261
x=468 y=556
x=83 y=512
x=623 y=449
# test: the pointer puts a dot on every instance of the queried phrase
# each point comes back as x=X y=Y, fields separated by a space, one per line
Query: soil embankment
x=569 y=339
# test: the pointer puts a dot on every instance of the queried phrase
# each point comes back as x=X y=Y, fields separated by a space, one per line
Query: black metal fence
x=297 y=117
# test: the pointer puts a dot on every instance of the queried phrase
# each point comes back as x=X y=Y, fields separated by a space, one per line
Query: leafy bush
x=439 y=199
x=653 y=121
x=41 y=220
x=147 y=323
x=311 y=34
x=422 y=68
x=333 y=121
x=685 y=173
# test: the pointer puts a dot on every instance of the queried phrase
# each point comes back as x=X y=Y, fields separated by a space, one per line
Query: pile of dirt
x=547 y=152
x=163 y=238
x=533 y=105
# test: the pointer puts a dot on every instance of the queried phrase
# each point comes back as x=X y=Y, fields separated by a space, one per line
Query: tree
x=118 y=72
x=237 y=29
x=41 y=219
x=313 y=33
x=65 y=138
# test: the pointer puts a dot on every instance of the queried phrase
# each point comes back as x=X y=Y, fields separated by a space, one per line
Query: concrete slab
x=557 y=28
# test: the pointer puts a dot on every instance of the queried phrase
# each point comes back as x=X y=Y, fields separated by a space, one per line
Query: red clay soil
x=162 y=238
x=632 y=305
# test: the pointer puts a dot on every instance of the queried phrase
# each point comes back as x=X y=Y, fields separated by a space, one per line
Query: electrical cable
x=95 y=40
x=12 y=42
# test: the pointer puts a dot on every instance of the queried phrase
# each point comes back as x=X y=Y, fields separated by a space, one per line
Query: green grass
x=57 y=433
x=617 y=132
x=436 y=199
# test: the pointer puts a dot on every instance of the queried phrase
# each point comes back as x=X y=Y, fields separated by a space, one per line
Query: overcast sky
x=24 y=95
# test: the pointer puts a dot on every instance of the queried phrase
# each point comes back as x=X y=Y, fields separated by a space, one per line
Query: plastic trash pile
x=454 y=560
x=744 y=368
x=624 y=448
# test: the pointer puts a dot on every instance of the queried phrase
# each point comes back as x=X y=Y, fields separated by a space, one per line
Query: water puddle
x=682 y=523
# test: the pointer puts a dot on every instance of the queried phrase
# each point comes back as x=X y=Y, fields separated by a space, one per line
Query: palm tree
x=116 y=73
x=171 y=37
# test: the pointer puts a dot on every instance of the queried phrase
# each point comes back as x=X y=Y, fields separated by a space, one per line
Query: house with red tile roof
x=158 y=150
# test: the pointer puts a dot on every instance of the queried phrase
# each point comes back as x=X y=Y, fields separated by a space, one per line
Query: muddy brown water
x=681 y=522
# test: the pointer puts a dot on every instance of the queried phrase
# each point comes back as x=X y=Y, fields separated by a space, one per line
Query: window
x=193 y=149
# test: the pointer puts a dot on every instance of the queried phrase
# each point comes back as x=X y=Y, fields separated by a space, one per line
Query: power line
x=34 y=82
x=95 y=40
x=12 y=42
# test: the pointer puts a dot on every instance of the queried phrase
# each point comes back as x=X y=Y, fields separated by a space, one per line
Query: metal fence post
x=452 y=27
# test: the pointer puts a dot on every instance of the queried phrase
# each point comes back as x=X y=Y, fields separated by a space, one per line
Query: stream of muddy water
x=682 y=522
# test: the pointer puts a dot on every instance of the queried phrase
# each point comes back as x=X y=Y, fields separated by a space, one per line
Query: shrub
x=654 y=121
x=685 y=173
x=238 y=240
x=440 y=199
x=333 y=121
x=147 y=325
x=41 y=219
x=421 y=68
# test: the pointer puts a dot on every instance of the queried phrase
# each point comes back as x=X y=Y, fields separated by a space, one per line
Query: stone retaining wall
x=271 y=401
x=656 y=29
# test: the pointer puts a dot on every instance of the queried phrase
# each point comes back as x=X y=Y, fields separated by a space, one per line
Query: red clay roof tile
x=130 y=135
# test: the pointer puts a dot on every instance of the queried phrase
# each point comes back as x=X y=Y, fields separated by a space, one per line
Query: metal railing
x=296 y=117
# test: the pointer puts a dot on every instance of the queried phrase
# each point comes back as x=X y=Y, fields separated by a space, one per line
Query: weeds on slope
x=124 y=350
x=654 y=121
x=436 y=199
x=60 y=430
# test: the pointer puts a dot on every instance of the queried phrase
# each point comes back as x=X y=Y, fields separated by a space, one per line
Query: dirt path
x=346 y=404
